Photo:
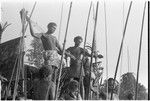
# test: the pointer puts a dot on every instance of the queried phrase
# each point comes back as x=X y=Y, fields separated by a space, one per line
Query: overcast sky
x=116 y=11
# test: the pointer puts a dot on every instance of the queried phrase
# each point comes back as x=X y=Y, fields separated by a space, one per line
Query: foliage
x=142 y=94
x=127 y=85
x=127 y=88
x=35 y=54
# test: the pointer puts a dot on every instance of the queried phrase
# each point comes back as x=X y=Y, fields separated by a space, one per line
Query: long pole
x=121 y=48
x=20 y=63
x=148 y=48
x=57 y=87
x=23 y=69
x=93 y=46
x=87 y=24
x=139 y=57
x=30 y=15
x=10 y=81
x=106 y=48
x=121 y=61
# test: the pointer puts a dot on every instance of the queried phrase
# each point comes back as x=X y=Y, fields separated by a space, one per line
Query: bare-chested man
x=50 y=45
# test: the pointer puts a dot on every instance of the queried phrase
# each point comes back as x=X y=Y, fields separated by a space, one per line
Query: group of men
x=44 y=87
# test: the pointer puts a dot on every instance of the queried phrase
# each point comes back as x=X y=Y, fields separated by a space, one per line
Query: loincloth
x=51 y=57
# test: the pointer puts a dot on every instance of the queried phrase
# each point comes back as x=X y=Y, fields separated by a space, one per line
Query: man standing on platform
x=77 y=52
x=51 y=46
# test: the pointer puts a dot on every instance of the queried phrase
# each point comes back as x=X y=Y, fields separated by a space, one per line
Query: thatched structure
x=8 y=55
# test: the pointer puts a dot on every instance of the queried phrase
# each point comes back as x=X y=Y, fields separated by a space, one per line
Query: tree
x=127 y=88
x=142 y=94
x=35 y=54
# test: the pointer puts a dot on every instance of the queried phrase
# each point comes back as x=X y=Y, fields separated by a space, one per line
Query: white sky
x=47 y=11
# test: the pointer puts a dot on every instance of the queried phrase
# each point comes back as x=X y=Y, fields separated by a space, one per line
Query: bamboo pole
x=81 y=80
x=7 y=90
x=93 y=43
x=148 y=46
x=121 y=48
x=57 y=87
x=106 y=49
x=20 y=63
x=30 y=15
x=21 y=52
x=139 y=57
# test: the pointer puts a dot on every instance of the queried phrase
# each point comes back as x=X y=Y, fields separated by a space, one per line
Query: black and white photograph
x=74 y=49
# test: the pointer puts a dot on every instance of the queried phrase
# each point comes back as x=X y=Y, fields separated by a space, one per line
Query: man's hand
x=27 y=18
x=99 y=56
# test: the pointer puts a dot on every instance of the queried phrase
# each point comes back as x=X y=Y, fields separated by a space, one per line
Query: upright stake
x=93 y=46
x=139 y=57
x=57 y=87
x=20 y=63
x=121 y=48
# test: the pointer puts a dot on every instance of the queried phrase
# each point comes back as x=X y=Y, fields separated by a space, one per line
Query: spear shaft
x=121 y=49
x=57 y=87
x=30 y=15
x=93 y=46
x=148 y=46
x=139 y=57
x=87 y=24
x=20 y=63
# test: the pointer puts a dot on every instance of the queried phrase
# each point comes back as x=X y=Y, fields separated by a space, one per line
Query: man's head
x=78 y=40
x=45 y=71
x=110 y=83
x=130 y=96
x=73 y=86
x=51 y=27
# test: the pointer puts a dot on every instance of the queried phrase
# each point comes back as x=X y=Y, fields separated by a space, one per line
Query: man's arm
x=31 y=28
x=95 y=55
x=60 y=50
x=86 y=52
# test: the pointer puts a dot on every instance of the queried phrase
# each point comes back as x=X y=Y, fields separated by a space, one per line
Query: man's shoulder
x=70 y=48
x=52 y=37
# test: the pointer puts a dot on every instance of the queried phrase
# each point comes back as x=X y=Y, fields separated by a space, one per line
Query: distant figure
x=102 y=96
x=110 y=88
x=44 y=88
x=71 y=92
x=130 y=96
x=50 y=45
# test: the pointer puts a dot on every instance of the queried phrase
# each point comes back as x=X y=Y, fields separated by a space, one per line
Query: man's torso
x=49 y=42
x=75 y=64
